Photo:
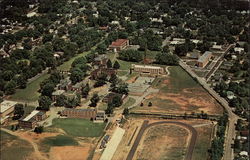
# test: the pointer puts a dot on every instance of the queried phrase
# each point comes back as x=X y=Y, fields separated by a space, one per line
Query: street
x=232 y=118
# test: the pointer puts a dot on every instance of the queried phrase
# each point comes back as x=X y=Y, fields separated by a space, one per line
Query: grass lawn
x=67 y=65
x=13 y=148
x=129 y=102
x=30 y=93
x=60 y=140
x=179 y=80
x=79 y=127
x=202 y=143
x=122 y=73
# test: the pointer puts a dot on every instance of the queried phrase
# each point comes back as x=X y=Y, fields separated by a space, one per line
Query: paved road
x=145 y=126
x=230 y=133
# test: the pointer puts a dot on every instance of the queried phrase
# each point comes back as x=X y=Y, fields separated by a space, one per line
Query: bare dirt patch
x=168 y=141
x=69 y=153
x=188 y=101
x=123 y=148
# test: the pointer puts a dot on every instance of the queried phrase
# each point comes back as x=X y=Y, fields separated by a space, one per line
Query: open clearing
x=11 y=147
x=168 y=141
x=79 y=127
x=179 y=94
x=168 y=137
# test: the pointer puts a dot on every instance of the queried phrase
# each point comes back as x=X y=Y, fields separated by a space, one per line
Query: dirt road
x=145 y=126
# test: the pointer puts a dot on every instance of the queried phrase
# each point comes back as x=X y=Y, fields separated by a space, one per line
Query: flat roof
x=58 y=92
x=31 y=115
x=5 y=105
x=146 y=66
x=205 y=56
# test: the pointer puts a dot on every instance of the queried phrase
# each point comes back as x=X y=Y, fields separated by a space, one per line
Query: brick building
x=204 y=59
x=153 y=70
x=119 y=45
x=6 y=109
x=100 y=61
x=79 y=113
x=31 y=120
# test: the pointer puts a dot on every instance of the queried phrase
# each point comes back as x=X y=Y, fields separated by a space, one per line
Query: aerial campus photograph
x=124 y=79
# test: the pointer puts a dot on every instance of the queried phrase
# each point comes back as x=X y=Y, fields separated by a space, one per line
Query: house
x=204 y=59
x=119 y=45
x=6 y=109
x=65 y=84
x=31 y=120
x=100 y=116
x=100 y=61
x=176 y=41
x=78 y=86
x=217 y=48
x=239 y=50
x=104 y=28
x=110 y=96
x=230 y=95
x=57 y=93
x=243 y=154
x=79 y=113
x=4 y=54
x=152 y=70
x=98 y=72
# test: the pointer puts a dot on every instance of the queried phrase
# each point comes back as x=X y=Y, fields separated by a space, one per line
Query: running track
x=145 y=125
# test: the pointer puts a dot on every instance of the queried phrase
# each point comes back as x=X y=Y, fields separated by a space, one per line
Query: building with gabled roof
x=31 y=120
x=204 y=59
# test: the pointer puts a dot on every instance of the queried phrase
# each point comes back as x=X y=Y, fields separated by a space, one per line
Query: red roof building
x=119 y=45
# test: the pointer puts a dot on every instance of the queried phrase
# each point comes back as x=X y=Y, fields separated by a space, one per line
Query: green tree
x=116 y=65
x=44 y=103
x=101 y=48
x=9 y=87
x=18 y=111
x=109 y=63
x=38 y=130
x=94 y=100
x=125 y=112
x=85 y=91
x=61 y=100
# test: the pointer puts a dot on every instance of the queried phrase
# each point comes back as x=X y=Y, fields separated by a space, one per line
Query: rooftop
x=5 y=105
x=100 y=57
x=78 y=110
x=145 y=66
x=31 y=115
x=58 y=92
x=205 y=56
x=119 y=42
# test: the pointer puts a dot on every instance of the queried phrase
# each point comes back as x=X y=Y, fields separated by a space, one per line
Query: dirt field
x=168 y=140
x=188 y=101
x=179 y=94
x=69 y=153
x=171 y=143
x=124 y=146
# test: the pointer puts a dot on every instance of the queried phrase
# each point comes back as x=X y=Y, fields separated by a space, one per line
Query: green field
x=129 y=102
x=30 y=93
x=79 y=127
x=13 y=148
x=202 y=143
x=60 y=140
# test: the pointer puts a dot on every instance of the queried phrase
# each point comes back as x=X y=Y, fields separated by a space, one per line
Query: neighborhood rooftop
x=118 y=42
x=205 y=56
x=5 y=105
